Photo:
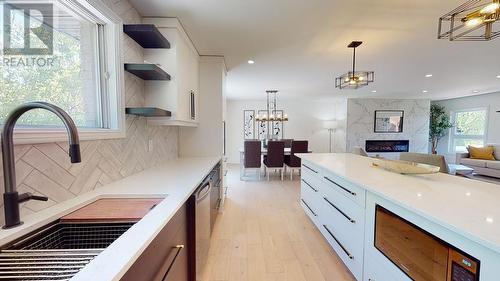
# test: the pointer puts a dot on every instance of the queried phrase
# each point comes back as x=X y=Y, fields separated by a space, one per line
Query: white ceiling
x=299 y=46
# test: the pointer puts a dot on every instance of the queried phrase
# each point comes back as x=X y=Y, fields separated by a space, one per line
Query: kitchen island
x=345 y=196
x=174 y=181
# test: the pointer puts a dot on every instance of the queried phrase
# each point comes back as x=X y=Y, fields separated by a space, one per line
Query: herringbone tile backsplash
x=46 y=169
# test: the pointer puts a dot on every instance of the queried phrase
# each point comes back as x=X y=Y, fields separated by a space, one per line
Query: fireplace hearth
x=387 y=146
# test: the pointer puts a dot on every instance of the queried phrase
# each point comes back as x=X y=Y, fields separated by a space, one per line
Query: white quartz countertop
x=174 y=180
x=468 y=207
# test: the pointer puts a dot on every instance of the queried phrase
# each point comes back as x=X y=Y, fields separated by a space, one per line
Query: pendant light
x=472 y=21
x=354 y=79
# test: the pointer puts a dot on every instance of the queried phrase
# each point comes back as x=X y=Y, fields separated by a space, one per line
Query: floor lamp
x=330 y=125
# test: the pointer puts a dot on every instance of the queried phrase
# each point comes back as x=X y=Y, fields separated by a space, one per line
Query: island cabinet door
x=166 y=257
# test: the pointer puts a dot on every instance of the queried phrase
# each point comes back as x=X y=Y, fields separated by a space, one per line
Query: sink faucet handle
x=74 y=153
x=30 y=196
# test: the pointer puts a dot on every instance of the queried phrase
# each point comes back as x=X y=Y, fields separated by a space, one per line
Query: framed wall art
x=249 y=124
x=388 y=121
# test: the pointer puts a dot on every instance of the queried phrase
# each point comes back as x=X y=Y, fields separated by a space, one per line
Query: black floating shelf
x=147 y=71
x=146 y=35
x=148 y=111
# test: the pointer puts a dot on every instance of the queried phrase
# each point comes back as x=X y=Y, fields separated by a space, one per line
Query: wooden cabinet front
x=166 y=257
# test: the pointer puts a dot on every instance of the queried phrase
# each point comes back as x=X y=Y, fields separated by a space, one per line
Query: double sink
x=59 y=250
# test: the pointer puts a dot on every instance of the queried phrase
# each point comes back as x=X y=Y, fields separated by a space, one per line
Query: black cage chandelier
x=473 y=21
x=354 y=79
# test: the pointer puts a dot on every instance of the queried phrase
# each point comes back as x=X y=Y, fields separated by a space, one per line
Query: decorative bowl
x=405 y=167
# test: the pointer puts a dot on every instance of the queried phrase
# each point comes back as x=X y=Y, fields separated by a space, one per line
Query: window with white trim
x=469 y=129
x=81 y=72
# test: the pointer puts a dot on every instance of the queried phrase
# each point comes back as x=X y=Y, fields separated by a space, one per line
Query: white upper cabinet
x=181 y=61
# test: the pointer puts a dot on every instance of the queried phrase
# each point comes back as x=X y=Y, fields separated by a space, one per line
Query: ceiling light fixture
x=428 y=75
x=251 y=62
x=374 y=91
x=475 y=91
x=425 y=91
x=272 y=113
x=354 y=79
x=472 y=21
x=498 y=76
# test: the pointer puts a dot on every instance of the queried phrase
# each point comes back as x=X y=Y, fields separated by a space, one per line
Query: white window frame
x=112 y=99
x=453 y=136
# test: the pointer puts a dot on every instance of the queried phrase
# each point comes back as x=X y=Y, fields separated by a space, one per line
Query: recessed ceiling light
x=251 y=62
x=428 y=75
x=489 y=220
x=498 y=76
x=374 y=91
x=425 y=91
x=475 y=91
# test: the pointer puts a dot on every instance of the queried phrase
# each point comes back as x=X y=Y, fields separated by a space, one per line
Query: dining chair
x=252 y=156
x=293 y=162
x=275 y=157
x=288 y=142
x=424 y=158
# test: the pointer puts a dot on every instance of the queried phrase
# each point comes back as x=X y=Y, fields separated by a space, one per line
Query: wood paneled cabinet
x=166 y=257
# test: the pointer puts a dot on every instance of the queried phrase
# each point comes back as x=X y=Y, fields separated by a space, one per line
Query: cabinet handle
x=310 y=168
x=308 y=207
x=315 y=190
x=177 y=250
x=345 y=189
x=340 y=244
x=339 y=210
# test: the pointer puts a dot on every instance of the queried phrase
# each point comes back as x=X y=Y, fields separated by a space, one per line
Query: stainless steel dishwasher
x=202 y=227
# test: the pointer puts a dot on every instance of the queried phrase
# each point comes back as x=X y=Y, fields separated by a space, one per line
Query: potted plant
x=439 y=125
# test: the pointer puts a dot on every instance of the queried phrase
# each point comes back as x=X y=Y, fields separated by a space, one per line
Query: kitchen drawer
x=346 y=188
x=310 y=208
x=335 y=204
x=343 y=227
x=311 y=169
x=348 y=247
x=311 y=181
x=166 y=257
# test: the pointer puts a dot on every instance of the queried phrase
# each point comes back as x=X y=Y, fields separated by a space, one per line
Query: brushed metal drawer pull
x=345 y=189
x=339 y=210
x=307 y=205
x=340 y=244
x=315 y=190
x=177 y=250
x=310 y=168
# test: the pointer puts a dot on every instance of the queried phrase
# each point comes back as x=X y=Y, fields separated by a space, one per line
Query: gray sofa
x=483 y=167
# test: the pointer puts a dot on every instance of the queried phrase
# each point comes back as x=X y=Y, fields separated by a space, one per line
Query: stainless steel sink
x=57 y=251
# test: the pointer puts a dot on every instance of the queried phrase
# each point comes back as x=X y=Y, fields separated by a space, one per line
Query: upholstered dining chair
x=275 y=158
x=288 y=142
x=293 y=162
x=424 y=158
x=252 y=156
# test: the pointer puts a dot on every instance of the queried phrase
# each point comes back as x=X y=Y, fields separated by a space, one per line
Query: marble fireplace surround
x=360 y=120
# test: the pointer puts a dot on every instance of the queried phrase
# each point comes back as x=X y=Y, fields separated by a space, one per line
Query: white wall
x=361 y=118
x=305 y=122
x=489 y=101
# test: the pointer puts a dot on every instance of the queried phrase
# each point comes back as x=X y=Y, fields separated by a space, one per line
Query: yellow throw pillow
x=483 y=153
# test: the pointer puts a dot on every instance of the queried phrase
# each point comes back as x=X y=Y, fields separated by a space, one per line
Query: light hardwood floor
x=263 y=235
